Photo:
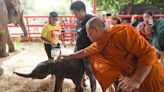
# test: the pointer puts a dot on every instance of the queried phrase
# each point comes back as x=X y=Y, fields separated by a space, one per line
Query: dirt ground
x=27 y=56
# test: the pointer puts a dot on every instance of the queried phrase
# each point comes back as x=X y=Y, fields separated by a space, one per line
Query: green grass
x=17 y=41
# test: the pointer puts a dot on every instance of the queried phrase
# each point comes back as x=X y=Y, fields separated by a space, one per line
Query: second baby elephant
x=72 y=69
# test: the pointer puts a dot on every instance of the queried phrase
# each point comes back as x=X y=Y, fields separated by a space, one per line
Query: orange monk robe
x=122 y=50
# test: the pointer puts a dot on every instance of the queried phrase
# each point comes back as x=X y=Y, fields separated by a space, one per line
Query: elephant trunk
x=23 y=75
x=22 y=25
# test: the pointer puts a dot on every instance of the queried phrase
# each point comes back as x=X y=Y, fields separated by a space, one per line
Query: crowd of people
x=130 y=55
x=150 y=28
x=127 y=55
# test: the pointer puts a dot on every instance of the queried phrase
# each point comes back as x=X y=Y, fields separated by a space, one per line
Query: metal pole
x=94 y=6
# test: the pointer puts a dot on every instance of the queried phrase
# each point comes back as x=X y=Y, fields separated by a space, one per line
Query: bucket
x=55 y=52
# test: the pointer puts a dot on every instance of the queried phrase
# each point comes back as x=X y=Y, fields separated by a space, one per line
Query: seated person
x=113 y=20
x=134 y=20
x=51 y=33
x=120 y=53
x=148 y=20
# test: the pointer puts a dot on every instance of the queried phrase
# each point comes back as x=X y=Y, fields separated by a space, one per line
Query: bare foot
x=12 y=50
x=4 y=54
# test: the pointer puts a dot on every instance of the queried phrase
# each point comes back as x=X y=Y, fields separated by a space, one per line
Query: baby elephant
x=72 y=69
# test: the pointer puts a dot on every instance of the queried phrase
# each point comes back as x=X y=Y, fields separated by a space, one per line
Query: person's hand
x=53 y=44
x=147 y=22
x=141 y=29
x=64 y=45
x=64 y=57
x=127 y=84
x=147 y=30
x=158 y=54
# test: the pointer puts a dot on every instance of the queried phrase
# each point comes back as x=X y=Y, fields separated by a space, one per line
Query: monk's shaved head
x=95 y=22
x=95 y=28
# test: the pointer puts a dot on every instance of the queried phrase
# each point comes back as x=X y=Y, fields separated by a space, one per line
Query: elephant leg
x=78 y=85
x=9 y=42
x=89 y=72
x=111 y=89
x=3 y=26
x=78 y=89
x=3 y=45
x=58 y=83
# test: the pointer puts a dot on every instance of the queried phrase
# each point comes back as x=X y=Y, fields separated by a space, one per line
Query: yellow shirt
x=51 y=32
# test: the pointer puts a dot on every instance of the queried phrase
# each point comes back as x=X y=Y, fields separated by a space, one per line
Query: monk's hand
x=158 y=54
x=127 y=84
x=64 y=57
x=65 y=45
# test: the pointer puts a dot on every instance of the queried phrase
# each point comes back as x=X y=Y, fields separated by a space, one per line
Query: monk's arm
x=148 y=29
x=82 y=53
x=146 y=57
x=141 y=73
x=143 y=70
x=136 y=45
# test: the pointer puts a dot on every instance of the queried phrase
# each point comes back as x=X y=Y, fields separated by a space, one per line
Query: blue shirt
x=158 y=39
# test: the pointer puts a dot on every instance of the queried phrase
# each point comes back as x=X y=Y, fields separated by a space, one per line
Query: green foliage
x=17 y=41
x=110 y=5
x=30 y=9
x=160 y=4
x=114 y=5
x=27 y=6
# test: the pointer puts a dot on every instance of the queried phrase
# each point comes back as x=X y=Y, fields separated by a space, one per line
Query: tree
x=30 y=9
x=28 y=6
x=114 y=5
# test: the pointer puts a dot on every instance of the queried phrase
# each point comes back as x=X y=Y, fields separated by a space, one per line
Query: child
x=50 y=34
x=134 y=20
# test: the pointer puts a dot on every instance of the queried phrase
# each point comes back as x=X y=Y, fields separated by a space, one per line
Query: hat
x=53 y=14
x=135 y=16
x=116 y=18
x=108 y=14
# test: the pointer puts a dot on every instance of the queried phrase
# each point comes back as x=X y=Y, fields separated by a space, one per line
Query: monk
x=121 y=53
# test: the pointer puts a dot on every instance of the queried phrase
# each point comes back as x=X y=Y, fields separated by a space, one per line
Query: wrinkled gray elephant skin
x=138 y=9
x=1 y=71
x=15 y=14
x=72 y=69
x=3 y=27
x=10 y=12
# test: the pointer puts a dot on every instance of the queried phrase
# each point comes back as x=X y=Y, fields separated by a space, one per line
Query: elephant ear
x=16 y=5
x=14 y=11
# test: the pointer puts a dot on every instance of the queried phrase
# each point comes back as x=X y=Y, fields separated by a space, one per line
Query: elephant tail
x=23 y=75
